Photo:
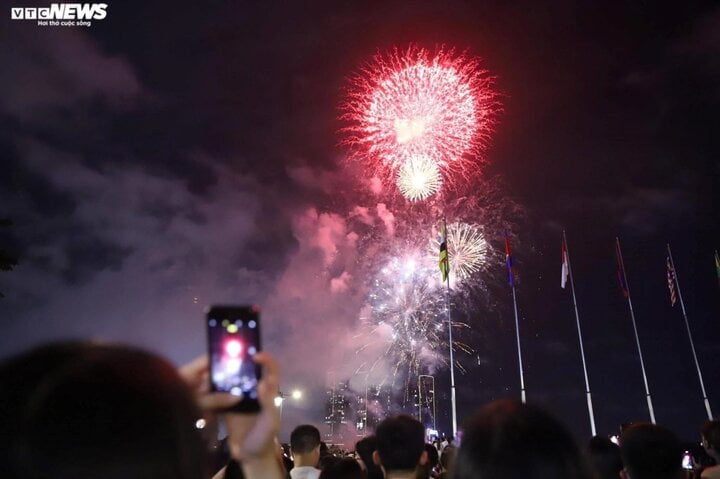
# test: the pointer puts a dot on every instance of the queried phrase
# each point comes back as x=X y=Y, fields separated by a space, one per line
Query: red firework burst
x=414 y=104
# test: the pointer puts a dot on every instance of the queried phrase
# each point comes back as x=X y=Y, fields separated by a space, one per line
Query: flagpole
x=450 y=339
x=591 y=413
x=637 y=338
x=687 y=327
x=517 y=334
x=452 y=361
x=517 y=323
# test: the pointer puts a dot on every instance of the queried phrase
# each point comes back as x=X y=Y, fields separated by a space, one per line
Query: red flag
x=671 y=282
x=621 y=271
x=565 y=269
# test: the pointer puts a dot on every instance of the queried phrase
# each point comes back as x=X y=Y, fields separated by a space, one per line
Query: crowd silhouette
x=81 y=410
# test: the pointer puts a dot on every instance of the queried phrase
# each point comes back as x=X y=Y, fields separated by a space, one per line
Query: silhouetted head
x=305 y=445
x=711 y=438
x=447 y=458
x=83 y=410
x=605 y=457
x=400 y=443
x=651 y=452
x=432 y=455
x=509 y=440
x=365 y=448
x=424 y=470
x=304 y=439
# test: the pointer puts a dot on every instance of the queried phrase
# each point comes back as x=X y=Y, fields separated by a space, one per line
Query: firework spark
x=407 y=315
x=412 y=103
x=467 y=250
x=418 y=179
x=406 y=312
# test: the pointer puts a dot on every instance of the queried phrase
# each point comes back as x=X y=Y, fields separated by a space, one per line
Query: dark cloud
x=60 y=75
x=48 y=200
x=87 y=256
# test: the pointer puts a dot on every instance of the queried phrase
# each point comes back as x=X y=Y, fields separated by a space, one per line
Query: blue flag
x=509 y=261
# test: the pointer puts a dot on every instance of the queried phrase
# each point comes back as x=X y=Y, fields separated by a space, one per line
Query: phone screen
x=687 y=461
x=233 y=340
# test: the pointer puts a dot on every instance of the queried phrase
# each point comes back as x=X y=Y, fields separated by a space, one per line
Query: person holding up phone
x=251 y=436
x=82 y=409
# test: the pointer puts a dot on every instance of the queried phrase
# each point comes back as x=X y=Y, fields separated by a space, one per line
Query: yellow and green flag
x=444 y=262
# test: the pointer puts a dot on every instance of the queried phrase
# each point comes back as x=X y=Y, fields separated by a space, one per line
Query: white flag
x=565 y=267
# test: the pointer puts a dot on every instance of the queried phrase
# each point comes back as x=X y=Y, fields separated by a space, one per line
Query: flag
x=621 y=271
x=509 y=261
x=565 y=269
x=444 y=262
x=717 y=266
x=671 y=282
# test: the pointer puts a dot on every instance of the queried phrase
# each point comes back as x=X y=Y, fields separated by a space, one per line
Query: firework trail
x=413 y=104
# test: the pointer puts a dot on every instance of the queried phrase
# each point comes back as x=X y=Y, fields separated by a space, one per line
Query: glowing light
x=278 y=401
x=408 y=130
x=416 y=104
x=232 y=329
x=200 y=424
x=296 y=394
x=418 y=179
x=232 y=366
x=410 y=266
x=233 y=348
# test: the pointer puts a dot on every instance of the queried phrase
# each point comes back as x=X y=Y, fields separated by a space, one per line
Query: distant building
x=337 y=413
x=352 y=414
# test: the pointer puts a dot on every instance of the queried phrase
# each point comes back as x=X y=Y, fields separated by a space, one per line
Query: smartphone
x=233 y=340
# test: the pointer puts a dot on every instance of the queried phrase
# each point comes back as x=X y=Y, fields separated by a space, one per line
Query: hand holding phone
x=251 y=437
x=233 y=341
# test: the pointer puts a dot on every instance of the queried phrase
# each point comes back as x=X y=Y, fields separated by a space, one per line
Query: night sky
x=173 y=156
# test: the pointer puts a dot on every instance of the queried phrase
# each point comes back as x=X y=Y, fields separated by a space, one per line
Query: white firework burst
x=418 y=178
x=467 y=250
